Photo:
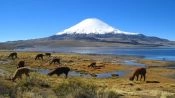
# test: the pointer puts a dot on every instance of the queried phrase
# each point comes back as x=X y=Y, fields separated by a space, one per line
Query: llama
x=19 y=72
x=13 y=55
x=139 y=71
x=55 y=60
x=60 y=70
x=48 y=54
x=21 y=64
x=93 y=65
x=39 y=56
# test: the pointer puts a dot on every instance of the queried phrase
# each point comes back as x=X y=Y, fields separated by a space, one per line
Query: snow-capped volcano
x=94 y=26
x=90 y=32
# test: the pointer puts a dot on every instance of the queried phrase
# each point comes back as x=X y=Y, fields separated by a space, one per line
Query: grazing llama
x=60 y=70
x=19 y=72
x=55 y=60
x=13 y=55
x=137 y=72
x=93 y=65
x=48 y=54
x=39 y=56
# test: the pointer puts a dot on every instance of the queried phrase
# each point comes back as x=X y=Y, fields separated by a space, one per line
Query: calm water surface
x=148 y=53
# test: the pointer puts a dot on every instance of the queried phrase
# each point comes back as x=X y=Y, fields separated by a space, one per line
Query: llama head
x=131 y=78
x=50 y=73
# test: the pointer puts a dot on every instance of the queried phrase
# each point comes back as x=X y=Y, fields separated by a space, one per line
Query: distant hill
x=90 y=32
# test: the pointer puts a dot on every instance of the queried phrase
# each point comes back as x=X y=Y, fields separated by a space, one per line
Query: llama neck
x=51 y=73
x=133 y=76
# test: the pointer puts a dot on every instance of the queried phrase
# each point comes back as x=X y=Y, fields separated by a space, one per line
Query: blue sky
x=28 y=19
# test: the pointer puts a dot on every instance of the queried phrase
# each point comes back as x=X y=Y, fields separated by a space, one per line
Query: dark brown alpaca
x=139 y=71
x=19 y=72
x=48 y=54
x=13 y=55
x=21 y=64
x=55 y=60
x=60 y=70
x=93 y=65
x=39 y=56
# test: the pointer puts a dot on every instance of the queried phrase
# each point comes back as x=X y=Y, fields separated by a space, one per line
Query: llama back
x=59 y=70
x=20 y=71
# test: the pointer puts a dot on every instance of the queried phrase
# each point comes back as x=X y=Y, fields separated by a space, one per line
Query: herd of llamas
x=21 y=69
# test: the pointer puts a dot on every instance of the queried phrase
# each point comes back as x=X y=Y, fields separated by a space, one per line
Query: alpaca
x=19 y=72
x=55 y=60
x=13 y=55
x=48 y=54
x=60 y=70
x=139 y=71
x=93 y=65
x=21 y=64
x=39 y=56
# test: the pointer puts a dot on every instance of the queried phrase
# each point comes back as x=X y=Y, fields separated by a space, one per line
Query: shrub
x=76 y=89
x=81 y=89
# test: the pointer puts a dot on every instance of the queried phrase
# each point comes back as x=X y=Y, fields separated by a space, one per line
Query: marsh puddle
x=86 y=75
x=4 y=61
x=111 y=74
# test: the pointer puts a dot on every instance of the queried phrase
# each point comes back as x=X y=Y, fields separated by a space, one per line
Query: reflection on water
x=86 y=75
x=109 y=74
x=149 y=53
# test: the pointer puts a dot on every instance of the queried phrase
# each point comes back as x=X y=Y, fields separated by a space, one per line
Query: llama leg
x=27 y=74
x=144 y=77
x=20 y=76
x=66 y=74
x=15 y=56
x=141 y=77
x=137 y=77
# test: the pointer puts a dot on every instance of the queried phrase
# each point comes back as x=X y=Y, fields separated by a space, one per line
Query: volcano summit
x=90 y=32
x=93 y=26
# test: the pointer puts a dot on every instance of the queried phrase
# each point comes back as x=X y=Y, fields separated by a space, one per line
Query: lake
x=148 y=53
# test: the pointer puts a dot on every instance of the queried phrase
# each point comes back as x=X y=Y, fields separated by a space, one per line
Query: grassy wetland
x=160 y=77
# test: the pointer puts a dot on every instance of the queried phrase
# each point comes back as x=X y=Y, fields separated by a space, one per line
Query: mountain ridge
x=95 y=33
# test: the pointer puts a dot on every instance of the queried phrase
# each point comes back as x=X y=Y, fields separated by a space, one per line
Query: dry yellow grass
x=80 y=62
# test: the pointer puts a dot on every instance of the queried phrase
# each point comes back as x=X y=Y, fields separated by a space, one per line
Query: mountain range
x=90 y=32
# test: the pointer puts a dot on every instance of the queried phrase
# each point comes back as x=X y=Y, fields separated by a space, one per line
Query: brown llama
x=93 y=65
x=137 y=72
x=21 y=64
x=13 y=55
x=19 y=72
x=60 y=70
x=55 y=60
x=39 y=56
x=48 y=54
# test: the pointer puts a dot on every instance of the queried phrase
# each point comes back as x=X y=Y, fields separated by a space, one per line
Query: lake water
x=148 y=53
x=86 y=75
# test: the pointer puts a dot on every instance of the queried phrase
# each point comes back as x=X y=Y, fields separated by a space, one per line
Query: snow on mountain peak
x=92 y=25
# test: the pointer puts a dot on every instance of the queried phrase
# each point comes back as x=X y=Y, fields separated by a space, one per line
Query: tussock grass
x=43 y=86
x=76 y=88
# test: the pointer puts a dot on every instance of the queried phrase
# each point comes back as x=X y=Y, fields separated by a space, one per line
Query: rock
x=114 y=75
x=93 y=75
